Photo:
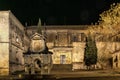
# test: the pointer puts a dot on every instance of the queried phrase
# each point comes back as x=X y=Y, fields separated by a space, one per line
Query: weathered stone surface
x=4 y=30
x=11 y=43
x=4 y=43
x=4 y=55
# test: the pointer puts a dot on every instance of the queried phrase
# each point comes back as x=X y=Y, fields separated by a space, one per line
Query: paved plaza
x=73 y=75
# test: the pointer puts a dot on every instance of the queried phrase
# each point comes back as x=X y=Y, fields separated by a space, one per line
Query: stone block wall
x=11 y=43
x=4 y=43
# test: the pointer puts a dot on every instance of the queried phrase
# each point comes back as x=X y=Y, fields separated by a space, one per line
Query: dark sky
x=57 y=12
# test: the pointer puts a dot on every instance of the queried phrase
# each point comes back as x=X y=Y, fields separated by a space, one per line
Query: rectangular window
x=62 y=39
x=79 y=37
x=83 y=37
x=62 y=59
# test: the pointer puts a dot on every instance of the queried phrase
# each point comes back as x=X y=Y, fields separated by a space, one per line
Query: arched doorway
x=37 y=63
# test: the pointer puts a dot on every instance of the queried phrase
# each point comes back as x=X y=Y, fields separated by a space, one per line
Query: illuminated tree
x=111 y=16
x=108 y=25
x=90 y=54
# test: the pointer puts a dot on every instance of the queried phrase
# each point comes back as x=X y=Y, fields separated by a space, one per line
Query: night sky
x=57 y=12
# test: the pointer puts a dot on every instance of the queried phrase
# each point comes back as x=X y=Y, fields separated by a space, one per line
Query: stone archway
x=37 y=63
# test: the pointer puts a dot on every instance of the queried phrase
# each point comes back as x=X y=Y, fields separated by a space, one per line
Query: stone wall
x=78 y=55
x=116 y=60
x=62 y=56
x=4 y=43
x=16 y=34
x=4 y=58
x=105 y=52
x=11 y=43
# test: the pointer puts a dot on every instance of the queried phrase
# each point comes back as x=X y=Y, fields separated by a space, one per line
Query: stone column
x=26 y=70
x=32 y=67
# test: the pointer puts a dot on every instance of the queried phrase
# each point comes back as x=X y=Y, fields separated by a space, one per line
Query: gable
x=37 y=36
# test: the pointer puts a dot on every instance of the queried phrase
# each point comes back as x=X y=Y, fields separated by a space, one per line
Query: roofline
x=16 y=19
x=82 y=27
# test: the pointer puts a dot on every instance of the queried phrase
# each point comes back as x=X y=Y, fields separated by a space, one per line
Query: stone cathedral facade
x=66 y=42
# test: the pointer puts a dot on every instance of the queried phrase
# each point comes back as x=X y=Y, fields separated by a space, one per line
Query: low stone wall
x=78 y=65
x=62 y=67
x=15 y=68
